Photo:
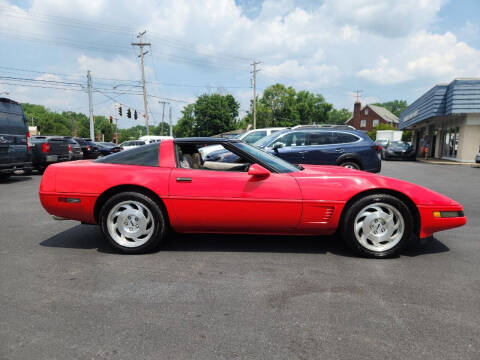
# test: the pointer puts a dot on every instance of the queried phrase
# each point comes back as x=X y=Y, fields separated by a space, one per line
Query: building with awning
x=446 y=120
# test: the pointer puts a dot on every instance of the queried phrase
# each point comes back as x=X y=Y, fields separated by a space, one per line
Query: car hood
x=337 y=183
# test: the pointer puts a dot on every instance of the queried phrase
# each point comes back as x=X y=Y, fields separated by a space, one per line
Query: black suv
x=75 y=149
x=90 y=150
x=14 y=139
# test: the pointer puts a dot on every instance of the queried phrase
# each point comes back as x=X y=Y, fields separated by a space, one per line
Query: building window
x=366 y=111
x=363 y=123
x=375 y=123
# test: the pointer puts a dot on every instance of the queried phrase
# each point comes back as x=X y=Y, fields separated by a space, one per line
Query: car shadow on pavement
x=90 y=237
x=15 y=179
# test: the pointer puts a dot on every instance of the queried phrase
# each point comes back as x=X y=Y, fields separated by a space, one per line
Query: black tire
x=351 y=164
x=382 y=156
x=159 y=221
x=4 y=176
x=348 y=223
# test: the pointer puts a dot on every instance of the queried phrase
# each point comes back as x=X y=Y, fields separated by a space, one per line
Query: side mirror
x=258 y=171
x=277 y=146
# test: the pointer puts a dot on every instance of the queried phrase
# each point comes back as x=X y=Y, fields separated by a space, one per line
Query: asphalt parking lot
x=65 y=294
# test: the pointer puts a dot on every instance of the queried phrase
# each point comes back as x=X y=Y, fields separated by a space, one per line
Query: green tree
x=395 y=106
x=185 y=126
x=338 y=117
x=284 y=106
x=211 y=114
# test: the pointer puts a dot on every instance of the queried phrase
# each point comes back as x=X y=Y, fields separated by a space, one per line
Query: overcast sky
x=388 y=49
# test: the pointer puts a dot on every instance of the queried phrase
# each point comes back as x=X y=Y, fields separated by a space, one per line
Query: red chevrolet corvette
x=137 y=195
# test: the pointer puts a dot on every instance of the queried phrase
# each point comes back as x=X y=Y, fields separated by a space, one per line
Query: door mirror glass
x=258 y=171
x=278 y=145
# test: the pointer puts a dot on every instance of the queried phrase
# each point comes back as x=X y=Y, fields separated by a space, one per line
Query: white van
x=152 y=138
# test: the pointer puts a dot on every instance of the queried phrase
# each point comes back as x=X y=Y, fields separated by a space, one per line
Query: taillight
x=375 y=147
x=121 y=149
x=69 y=148
x=29 y=144
x=89 y=148
x=46 y=147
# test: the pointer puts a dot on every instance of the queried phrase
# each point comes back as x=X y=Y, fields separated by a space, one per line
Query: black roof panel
x=205 y=140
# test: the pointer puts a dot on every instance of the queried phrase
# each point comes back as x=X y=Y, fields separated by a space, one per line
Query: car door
x=233 y=201
x=319 y=149
x=293 y=147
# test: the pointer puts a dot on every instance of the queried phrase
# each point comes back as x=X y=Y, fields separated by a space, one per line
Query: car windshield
x=266 y=140
x=399 y=145
x=274 y=162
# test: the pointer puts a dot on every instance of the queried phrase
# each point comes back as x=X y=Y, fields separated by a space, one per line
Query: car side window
x=291 y=139
x=188 y=157
x=344 y=138
x=319 y=138
x=254 y=136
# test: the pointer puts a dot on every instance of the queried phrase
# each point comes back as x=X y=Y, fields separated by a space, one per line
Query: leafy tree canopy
x=395 y=106
x=211 y=114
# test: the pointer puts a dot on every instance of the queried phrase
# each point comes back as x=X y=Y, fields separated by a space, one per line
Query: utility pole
x=90 y=104
x=254 y=72
x=116 y=131
x=141 y=44
x=170 y=119
x=163 y=115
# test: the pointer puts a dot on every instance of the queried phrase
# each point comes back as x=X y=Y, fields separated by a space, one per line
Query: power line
x=92 y=26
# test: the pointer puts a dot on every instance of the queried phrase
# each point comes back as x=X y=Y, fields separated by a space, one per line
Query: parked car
x=107 y=148
x=381 y=144
x=130 y=144
x=249 y=137
x=477 y=158
x=75 y=149
x=399 y=150
x=47 y=150
x=318 y=146
x=14 y=139
x=262 y=194
x=89 y=149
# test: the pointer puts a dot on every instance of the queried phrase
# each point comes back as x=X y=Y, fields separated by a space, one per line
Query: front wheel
x=377 y=225
x=133 y=223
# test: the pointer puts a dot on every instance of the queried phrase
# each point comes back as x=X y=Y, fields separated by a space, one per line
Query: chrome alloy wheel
x=379 y=227
x=130 y=223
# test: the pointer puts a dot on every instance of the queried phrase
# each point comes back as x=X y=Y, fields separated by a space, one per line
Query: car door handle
x=184 y=179
x=339 y=150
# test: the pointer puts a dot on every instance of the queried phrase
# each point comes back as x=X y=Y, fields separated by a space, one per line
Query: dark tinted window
x=80 y=141
x=342 y=138
x=71 y=141
x=319 y=138
x=143 y=156
x=12 y=120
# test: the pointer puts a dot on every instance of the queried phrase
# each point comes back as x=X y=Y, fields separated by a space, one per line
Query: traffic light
x=111 y=119
x=120 y=110
x=129 y=114
x=135 y=116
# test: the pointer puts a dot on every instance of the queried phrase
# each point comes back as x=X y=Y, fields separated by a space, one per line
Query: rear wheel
x=4 y=176
x=133 y=223
x=377 y=225
x=350 y=165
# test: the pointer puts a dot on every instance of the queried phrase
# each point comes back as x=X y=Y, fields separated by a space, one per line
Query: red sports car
x=137 y=195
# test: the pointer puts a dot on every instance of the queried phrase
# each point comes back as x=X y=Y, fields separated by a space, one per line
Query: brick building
x=368 y=117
